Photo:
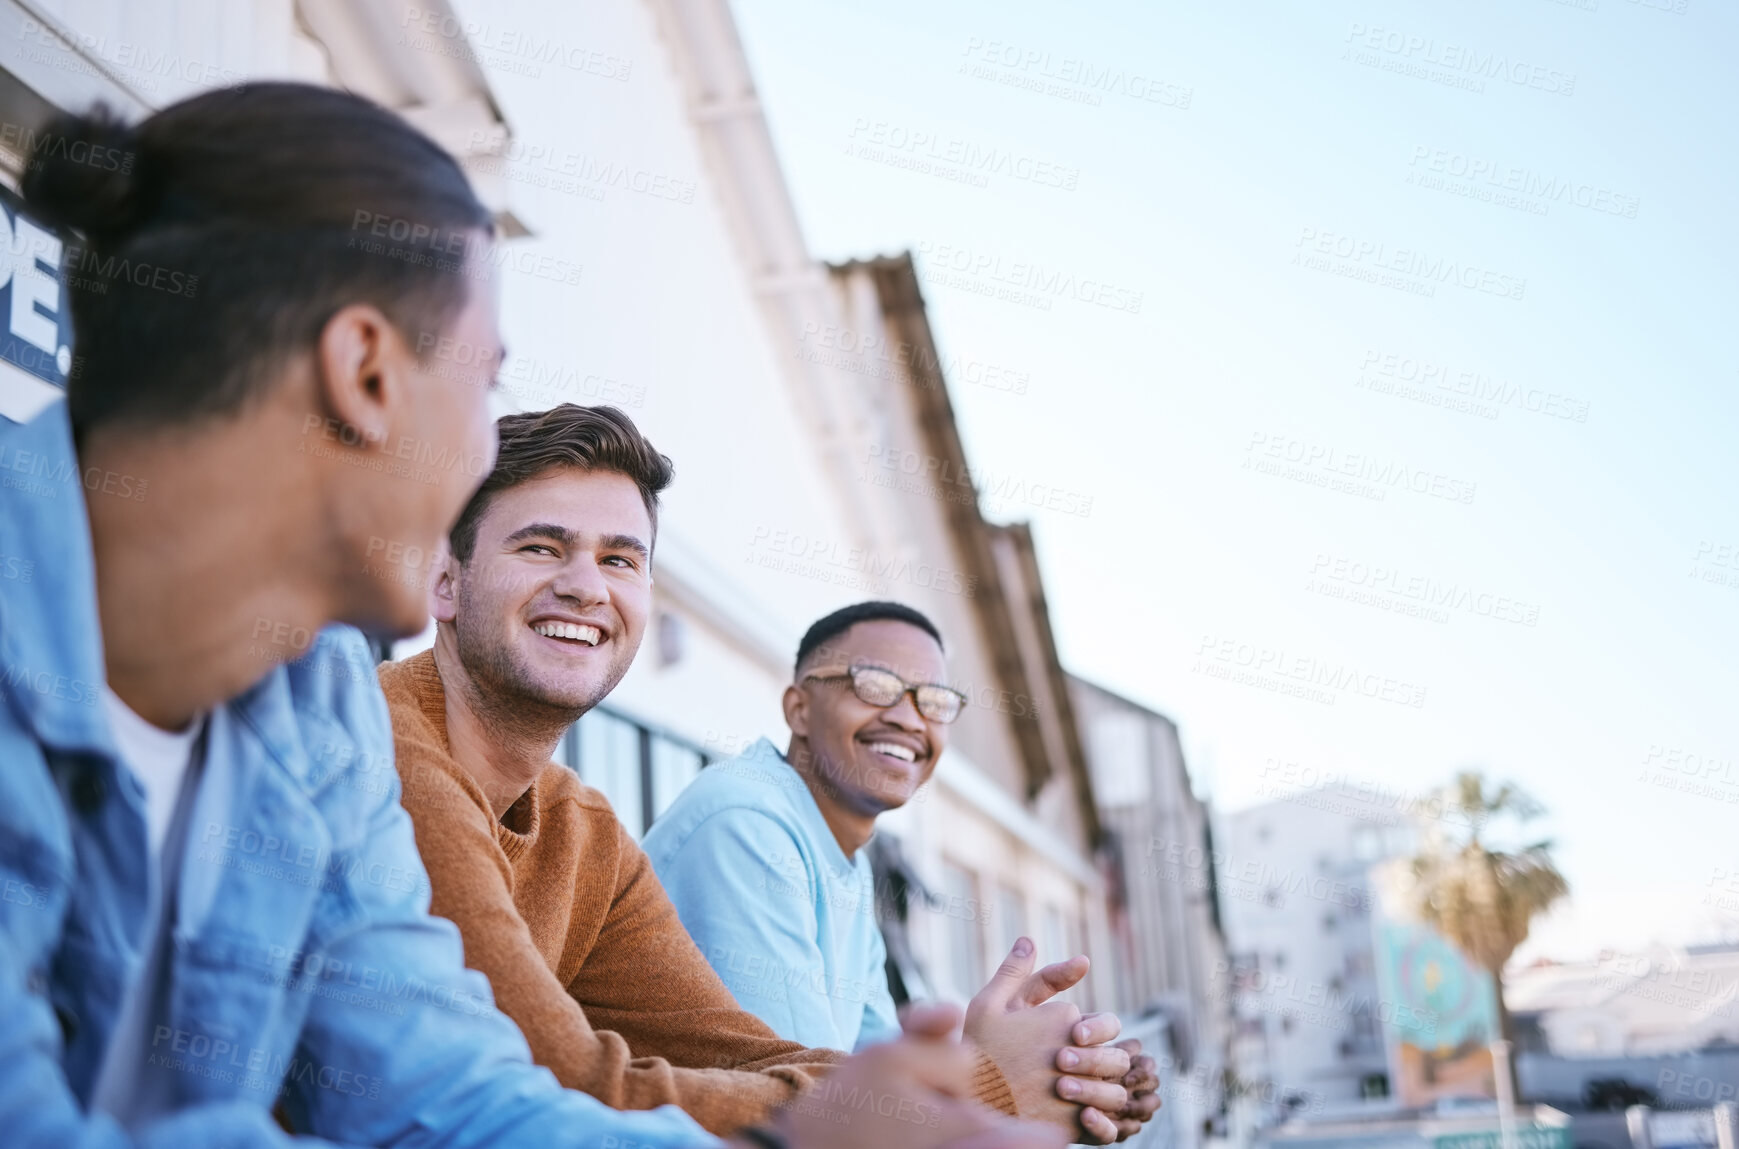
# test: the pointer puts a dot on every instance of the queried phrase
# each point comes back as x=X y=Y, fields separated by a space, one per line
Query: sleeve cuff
x=990 y=1087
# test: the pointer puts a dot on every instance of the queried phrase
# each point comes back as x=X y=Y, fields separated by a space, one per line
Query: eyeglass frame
x=911 y=688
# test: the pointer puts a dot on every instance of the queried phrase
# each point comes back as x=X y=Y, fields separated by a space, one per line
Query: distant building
x=1656 y=1001
x=1008 y=840
x=1660 y=1024
x=1295 y=884
x=1172 y=964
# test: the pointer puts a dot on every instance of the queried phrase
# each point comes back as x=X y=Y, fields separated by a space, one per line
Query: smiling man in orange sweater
x=541 y=607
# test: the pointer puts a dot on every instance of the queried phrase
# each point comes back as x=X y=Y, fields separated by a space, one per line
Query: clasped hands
x=1059 y=1062
x=1069 y=1082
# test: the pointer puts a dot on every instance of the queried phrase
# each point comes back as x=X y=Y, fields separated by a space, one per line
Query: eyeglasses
x=884 y=688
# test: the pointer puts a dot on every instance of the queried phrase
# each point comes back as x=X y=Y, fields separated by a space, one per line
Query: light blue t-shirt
x=786 y=919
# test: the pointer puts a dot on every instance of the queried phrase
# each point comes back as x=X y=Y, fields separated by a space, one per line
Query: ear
x=361 y=370
x=796 y=704
x=444 y=587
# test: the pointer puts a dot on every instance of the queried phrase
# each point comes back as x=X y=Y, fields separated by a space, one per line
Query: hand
x=1016 y=1024
x=1142 y=1082
x=1090 y=1053
x=914 y=1093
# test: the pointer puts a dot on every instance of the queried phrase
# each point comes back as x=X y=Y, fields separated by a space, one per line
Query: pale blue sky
x=1293 y=131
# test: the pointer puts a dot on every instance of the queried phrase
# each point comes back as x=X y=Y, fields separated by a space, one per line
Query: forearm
x=599 y=1062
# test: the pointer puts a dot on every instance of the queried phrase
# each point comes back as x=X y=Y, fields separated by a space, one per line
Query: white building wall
x=1297 y=897
x=685 y=312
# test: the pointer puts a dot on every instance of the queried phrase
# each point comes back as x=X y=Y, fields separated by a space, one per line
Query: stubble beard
x=507 y=687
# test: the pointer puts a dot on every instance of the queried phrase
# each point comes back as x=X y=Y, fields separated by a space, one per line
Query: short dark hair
x=536 y=442
x=223 y=232
x=846 y=617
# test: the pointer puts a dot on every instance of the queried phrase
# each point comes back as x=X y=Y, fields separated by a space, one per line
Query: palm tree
x=1482 y=899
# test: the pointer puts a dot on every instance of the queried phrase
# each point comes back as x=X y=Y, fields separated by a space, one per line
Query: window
x=965 y=943
x=1367 y=843
x=674 y=766
x=1011 y=919
x=1054 y=937
x=639 y=768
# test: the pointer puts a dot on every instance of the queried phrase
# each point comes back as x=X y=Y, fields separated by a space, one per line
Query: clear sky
x=1252 y=255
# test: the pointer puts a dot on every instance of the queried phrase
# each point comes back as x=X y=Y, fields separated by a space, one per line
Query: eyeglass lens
x=883 y=688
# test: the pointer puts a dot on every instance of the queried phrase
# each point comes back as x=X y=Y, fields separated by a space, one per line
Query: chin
x=558 y=691
x=398 y=617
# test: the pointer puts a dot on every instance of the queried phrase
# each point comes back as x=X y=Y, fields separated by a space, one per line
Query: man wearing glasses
x=763 y=855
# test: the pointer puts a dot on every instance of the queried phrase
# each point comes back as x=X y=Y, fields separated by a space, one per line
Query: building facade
x=1297 y=886
x=1172 y=962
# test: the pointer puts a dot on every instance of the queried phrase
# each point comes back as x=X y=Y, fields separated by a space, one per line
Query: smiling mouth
x=893 y=750
x=571 y=632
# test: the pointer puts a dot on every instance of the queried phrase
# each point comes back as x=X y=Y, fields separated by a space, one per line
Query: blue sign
x=35 y=327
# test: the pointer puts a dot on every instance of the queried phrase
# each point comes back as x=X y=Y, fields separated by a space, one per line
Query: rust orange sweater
x=560 y=909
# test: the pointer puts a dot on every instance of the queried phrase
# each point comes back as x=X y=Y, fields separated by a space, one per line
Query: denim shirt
x=786 y=920
x=302 y=956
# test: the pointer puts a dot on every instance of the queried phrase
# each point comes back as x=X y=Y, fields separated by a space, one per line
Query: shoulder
x=753 y=794
x=569 y=806
x=558 y=785
x=414 y=699
x=704 y=830
x=760 y=780
x=336 y=706
x=335 y=678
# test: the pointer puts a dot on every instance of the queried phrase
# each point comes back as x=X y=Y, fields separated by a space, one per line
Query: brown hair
x=222 y=233
x=536 y=442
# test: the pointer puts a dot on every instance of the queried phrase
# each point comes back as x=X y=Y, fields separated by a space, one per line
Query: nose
x=904 y=714
x=581 y=579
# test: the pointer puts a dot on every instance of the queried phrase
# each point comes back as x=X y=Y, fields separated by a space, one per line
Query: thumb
x=1006 y=982
x=930 y=1020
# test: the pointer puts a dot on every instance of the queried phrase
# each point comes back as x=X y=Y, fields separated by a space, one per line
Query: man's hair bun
x=85 y=171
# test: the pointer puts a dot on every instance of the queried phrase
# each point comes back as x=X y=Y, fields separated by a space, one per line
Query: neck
x=503 y=742
x=219 y=573
x=852 y=828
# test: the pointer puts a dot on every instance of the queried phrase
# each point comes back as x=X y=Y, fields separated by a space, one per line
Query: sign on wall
x=35 y=327
x=1444 y=1017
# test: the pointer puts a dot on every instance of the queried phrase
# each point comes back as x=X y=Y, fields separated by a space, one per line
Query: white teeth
x=892 y=750
x=590 y=635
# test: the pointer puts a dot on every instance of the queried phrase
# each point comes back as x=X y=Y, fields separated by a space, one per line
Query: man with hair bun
x=211 y=899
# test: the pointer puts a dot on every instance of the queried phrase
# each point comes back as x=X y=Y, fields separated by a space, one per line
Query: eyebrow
x=626 y=543
x=566 y=537
x=541 y=531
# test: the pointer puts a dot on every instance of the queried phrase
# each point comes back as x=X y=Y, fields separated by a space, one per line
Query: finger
x=1052 y=980
x=1096 y=1029
x=1006 y=982
x=1141 y=1108
x=1101 y=1130
x=1103 y=1061
x=1141 y=1079
x=1127 y=1127
x=1132 y=1045
x=1090 y=1091
x=930 y=1020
